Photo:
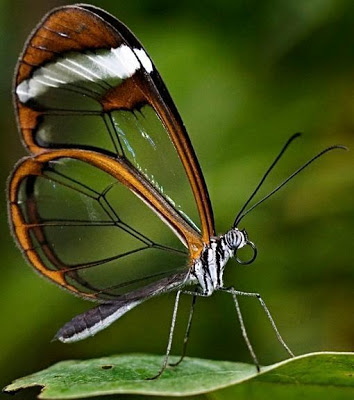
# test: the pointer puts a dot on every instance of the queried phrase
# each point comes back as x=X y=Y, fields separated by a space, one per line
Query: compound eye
x=250 y=261
x=232 y=239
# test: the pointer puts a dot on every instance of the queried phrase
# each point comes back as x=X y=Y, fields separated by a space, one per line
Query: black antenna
x=287 y=144
x=289 y=178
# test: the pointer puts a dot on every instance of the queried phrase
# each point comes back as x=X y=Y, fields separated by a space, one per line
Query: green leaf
x=312 y=373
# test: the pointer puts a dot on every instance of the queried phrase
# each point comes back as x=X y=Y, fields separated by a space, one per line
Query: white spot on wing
x=62 y=34
x=73 y=70
x=127 y=63
x=119 y=63
x=23 y=91
x=144 y=59
x=53 y=79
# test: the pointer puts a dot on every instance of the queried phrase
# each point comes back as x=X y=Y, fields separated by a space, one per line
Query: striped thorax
x=208 y=269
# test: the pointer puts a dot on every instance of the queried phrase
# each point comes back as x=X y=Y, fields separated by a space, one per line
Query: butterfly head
x=235 y=239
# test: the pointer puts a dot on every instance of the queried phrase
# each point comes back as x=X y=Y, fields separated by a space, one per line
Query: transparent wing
x=89 y=223
x=85 y=82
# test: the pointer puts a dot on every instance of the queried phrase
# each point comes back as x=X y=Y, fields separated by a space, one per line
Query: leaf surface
x=315 y=373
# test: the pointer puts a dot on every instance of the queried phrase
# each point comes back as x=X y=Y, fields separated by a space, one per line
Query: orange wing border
x=118 y=169
x=80 y=27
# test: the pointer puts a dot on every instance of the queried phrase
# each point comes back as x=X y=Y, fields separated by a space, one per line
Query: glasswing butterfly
x=90 y=205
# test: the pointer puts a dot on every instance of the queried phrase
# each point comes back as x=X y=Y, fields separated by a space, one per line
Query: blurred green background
x=245 y=75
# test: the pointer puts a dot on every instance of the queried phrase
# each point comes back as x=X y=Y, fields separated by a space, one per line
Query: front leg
x=235 y=293
x=242 y=324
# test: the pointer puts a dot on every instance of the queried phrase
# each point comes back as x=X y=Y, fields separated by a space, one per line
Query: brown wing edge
x=117 y=168
x=163 y=104
x=155 y=93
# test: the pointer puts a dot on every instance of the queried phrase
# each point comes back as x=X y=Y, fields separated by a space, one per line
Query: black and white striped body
x=208 y=270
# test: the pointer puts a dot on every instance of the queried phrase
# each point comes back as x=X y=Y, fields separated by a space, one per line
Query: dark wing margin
x=78 y=29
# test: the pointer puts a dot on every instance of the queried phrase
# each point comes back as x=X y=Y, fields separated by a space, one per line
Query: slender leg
x=243 y=327
x=170 y=337
x=265 y=308
x=186 y=336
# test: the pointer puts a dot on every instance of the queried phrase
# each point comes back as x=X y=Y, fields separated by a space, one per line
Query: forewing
x=85 y=82
x=93 y=225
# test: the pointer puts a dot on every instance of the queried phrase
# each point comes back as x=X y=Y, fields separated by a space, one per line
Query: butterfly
x=107 y=150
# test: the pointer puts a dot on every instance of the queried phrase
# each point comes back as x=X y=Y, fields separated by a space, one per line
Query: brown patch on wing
x=128 y=95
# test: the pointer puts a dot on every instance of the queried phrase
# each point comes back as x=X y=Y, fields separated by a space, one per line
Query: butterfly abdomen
x=103 y=315
x=93 y=320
